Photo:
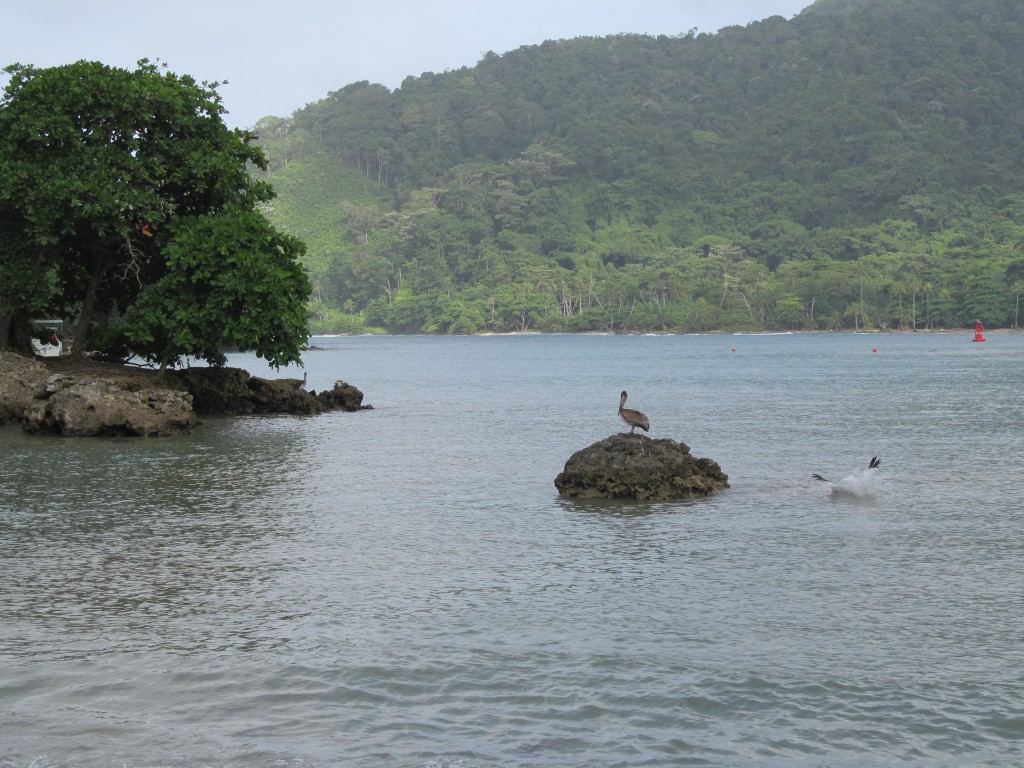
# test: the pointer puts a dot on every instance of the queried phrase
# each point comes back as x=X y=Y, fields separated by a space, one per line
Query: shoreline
x=79 y=397
x=876 y=332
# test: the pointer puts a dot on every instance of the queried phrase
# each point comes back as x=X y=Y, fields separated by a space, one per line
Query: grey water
x=403 y=587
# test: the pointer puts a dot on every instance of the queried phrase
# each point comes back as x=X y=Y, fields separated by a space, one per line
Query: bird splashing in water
x=859 y=485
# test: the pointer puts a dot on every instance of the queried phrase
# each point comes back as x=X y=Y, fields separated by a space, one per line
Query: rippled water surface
x=403 y=587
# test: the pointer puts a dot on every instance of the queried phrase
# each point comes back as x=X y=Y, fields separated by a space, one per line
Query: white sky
x=279 y=55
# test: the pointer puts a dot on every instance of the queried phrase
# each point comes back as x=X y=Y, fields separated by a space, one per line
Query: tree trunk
x=88 y=304
x=5 y=329
x=17 y=335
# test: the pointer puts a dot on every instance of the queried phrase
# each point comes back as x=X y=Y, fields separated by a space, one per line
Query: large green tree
x=122 y=191
x=220 y=266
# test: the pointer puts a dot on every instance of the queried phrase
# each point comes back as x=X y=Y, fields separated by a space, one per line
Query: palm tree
x=1018 y=289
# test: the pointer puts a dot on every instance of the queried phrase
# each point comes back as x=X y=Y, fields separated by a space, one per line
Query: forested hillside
x=858 y=166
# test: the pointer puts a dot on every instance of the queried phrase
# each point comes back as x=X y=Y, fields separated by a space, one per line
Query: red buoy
x=874 y=349
x=977 y=331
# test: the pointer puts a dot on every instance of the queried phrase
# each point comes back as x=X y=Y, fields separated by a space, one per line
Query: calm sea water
x=403 y=587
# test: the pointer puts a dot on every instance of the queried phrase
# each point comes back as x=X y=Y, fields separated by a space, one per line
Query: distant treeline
x=857 y=166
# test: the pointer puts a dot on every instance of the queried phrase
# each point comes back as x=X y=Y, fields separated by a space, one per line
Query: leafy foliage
x=225 y=265
x=106 y=175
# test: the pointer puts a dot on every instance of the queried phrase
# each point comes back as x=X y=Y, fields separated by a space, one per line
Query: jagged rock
x=86 y=397
x=218 y=390
x=22 y=380
x=232 y=391
x=79 y=406
x=283 y=396
x=343 y=397
x=638 y=467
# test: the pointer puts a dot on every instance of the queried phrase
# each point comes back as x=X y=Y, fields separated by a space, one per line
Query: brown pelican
x=633 y=418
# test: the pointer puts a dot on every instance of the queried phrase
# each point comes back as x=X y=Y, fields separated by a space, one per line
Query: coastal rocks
x=87 y=398
x=628 y=466
x=216 y=390
x=77 y=406
x=233 y=392
x=22 y=380
x=343 y=397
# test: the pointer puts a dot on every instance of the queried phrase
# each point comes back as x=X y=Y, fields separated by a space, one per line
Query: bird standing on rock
x=633 y=418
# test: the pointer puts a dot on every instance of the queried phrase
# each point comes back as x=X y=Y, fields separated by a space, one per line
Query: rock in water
x=82 y=397
x=86 y=406
x=343 y=397
x=639 y=467
x=233 y=391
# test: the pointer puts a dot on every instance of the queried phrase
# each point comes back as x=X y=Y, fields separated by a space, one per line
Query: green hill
x=857 y=166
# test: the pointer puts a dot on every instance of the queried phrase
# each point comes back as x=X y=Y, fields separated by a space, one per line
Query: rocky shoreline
x=86 y=398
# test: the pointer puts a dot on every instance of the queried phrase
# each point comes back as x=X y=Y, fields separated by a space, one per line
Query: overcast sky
x=279 y=55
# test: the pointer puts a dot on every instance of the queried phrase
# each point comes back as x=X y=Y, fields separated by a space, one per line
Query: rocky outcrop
x=343 y=397
x=638 y=467
x=22 y=380
x=86 y=398
x=232 y=391
x=84 y=406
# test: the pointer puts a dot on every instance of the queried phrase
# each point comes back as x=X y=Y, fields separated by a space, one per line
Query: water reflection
x=171 y=544
x=626 y=507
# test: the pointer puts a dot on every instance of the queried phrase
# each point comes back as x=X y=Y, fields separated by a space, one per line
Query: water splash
x=859 y=485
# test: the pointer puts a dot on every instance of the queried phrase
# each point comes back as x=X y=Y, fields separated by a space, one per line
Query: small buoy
x=874 y=349
x=734 y=349
x=978 y=336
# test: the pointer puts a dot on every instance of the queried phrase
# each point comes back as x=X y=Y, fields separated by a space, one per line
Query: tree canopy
x=861 y=164
x=124 y=198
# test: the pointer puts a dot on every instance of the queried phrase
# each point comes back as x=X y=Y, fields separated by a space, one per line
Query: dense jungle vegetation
x=857 y=166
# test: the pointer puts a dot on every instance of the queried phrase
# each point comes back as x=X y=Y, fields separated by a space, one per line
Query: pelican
x=873 y=464
x=633 y=418
x=859 y=484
